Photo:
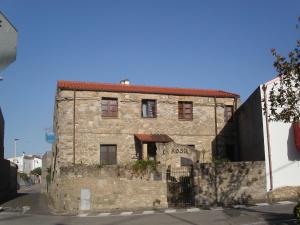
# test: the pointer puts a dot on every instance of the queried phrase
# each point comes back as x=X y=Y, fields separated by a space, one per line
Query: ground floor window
x=108 y=154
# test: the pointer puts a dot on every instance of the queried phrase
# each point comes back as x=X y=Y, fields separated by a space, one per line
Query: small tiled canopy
x=161 y=138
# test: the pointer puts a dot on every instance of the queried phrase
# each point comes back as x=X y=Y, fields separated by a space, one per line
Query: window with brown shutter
x=108 y=154
x=109 y=107
x=228 y=113
x=185 y=110
x=148 y=108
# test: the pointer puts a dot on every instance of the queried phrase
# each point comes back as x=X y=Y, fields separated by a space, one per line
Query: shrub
x=24 y=176
x=37 y=171
x=141 y=166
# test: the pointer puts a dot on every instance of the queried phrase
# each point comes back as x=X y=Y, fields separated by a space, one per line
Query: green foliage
x=141 y=166
x=37 y=171
x=220 y=160
x=284 y=96
x=99 y=166
x=24 y=176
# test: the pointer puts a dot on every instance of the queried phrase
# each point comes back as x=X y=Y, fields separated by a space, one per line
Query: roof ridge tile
x=93 y=86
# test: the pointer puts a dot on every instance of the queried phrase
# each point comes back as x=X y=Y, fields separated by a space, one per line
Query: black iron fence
x=180 y=187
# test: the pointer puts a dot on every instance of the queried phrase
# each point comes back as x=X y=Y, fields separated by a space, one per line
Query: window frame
x=108 y=161
x=227 y=116
x=109 y=113
x=154 y=109
x=182 y=115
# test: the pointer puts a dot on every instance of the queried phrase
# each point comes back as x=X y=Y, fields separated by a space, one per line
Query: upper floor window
x=185 y=110
x=108 y=154
x=109 y=107
x=148 y=108
x=228 y=113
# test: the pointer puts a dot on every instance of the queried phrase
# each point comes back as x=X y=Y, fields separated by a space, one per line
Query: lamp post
x=15 y=146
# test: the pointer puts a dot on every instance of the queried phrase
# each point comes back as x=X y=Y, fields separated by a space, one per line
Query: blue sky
x=198 y=44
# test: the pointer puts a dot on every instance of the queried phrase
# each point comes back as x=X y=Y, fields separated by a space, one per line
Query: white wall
x=36 y=162
x=19 y=161
x=26 y=165
x=285 y=158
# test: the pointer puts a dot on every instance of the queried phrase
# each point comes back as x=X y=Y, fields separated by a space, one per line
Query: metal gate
x=180 y=187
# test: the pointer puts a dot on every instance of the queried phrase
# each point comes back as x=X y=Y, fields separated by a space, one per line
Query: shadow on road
x=30 y=197
x=10 y=198
x=269 y=217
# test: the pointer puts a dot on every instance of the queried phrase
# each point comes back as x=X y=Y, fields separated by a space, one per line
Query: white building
x=273 y=142
x=27 y=163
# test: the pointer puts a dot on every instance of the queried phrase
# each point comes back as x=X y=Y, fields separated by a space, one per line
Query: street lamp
x=15 y=146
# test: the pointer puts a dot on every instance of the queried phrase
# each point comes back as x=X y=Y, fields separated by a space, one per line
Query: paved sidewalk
x=256 y=215
x=257 y=207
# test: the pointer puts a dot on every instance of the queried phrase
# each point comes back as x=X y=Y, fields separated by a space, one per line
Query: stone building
x=101 y=130
x=97 y=123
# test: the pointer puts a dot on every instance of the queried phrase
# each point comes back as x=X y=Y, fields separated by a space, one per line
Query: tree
x=284 y=96
x=37 y=171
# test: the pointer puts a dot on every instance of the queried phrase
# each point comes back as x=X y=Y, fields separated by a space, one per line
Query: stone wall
x=230 y=183
x=111 y=187
x=91 y=129
x=285 y=193
x=46 y=164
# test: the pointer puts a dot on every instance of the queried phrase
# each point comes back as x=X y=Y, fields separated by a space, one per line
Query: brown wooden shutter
x=180 y=110
x=104 y=107
x=188 y=110
x=109 y=107
x=153 y=108
x=185 y=110
x=108 y=154
x=113 y=108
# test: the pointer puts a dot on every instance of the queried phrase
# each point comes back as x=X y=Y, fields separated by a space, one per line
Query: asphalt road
x=39 y=214
x=256 y=216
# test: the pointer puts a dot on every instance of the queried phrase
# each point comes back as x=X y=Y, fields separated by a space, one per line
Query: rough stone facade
x=80 y=129
x=91 y=129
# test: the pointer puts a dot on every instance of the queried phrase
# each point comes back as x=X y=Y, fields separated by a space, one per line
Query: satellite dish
x=8 y=42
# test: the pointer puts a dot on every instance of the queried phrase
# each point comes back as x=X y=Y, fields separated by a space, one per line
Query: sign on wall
x=50 y=137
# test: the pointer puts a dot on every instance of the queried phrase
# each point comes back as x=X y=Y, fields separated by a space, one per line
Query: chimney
x=125 y=82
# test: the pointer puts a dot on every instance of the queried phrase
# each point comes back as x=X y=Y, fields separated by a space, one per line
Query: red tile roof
x=89 y=86
x=153 y=138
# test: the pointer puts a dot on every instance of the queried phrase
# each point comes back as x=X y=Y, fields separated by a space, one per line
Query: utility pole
x=15 y=146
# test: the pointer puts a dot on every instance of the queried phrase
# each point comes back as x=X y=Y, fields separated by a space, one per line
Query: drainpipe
x=216 y=126
x=264 y=88
x=236 y=126
x=74 y=102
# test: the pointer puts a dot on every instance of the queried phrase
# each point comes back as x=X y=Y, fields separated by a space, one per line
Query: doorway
x=151 y=150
